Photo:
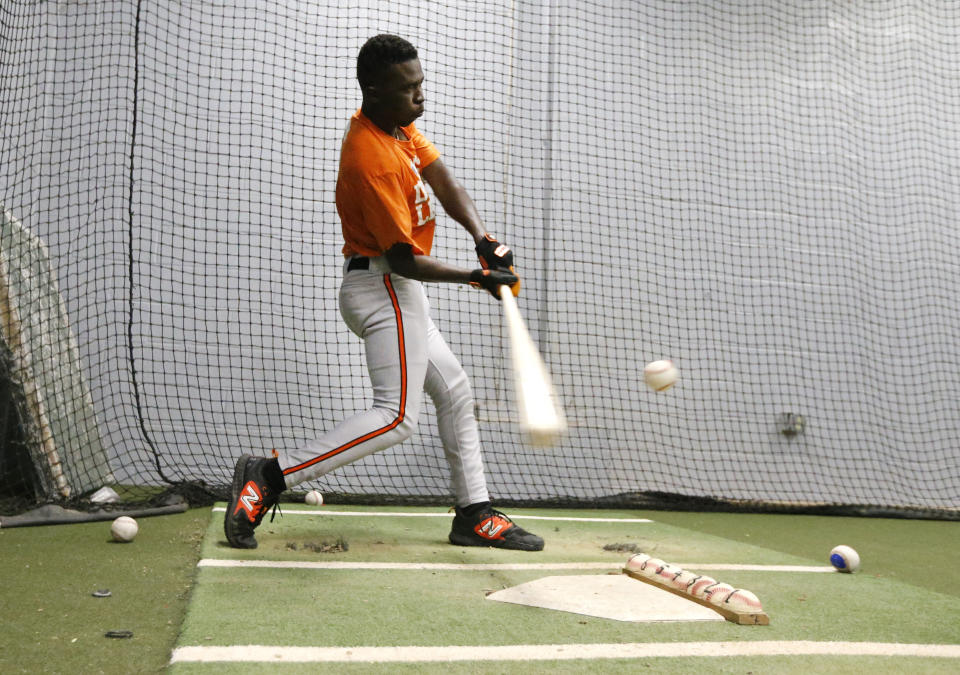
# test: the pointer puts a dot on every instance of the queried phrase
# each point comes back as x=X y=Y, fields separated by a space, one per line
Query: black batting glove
x=492 y=280
x=493 y=255
x=496 y=256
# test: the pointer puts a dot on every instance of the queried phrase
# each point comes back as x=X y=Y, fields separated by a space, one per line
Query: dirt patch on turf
x=340 y=545
x=622 y=548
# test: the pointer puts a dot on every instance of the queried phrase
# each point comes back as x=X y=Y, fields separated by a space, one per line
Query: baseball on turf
x=636 y=560
x=124 y=529
x=660 y=375
x=845 y=559
x=314 y=498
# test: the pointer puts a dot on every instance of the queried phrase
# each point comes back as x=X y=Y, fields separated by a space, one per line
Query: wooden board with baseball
x=737 y=605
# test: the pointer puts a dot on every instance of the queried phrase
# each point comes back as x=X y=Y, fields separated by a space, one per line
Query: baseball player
x=388 y=222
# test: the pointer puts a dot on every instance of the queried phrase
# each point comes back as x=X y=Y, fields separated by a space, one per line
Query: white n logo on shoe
x=250 y=501
x=490 y=528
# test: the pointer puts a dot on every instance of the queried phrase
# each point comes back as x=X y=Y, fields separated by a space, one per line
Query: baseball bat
x=541 y=416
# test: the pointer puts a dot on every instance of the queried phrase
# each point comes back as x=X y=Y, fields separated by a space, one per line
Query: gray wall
x=764 y=191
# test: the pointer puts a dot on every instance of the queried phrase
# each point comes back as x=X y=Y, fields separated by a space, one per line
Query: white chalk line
x=819 y=569
x=565 y=652
x=612 y=566
x=398 y=514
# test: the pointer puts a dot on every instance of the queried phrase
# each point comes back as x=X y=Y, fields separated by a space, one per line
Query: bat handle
x=509 y=290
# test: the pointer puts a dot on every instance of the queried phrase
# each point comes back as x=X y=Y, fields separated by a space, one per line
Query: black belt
x=358 y=264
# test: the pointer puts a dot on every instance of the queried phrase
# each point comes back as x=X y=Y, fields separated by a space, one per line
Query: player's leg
x=476 y=523
x=449 y=387
x=390 y=314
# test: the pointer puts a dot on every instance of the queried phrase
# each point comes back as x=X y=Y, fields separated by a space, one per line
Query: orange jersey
x=381 y=197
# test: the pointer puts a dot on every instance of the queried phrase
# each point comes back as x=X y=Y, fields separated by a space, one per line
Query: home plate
x=608 y=596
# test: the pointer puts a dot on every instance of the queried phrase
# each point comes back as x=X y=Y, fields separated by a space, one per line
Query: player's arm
x=454 y=198
x=460 y=206
x=424 y=268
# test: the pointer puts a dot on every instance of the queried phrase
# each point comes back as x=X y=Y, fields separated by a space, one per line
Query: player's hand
x=493 y=255
x=492 y=280
x=496 y=256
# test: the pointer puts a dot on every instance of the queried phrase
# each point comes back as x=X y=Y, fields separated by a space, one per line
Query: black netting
x=763 y=191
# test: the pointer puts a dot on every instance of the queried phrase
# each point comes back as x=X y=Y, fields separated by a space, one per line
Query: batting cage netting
x=763 y=191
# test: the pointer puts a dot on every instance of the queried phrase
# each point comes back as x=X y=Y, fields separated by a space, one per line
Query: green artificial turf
x=340 y=608
x=435 y=607
x=905 y=591
x=919 y=552
x=773 y=665
x=344 y=608
x=377 y=539
x=53 y=624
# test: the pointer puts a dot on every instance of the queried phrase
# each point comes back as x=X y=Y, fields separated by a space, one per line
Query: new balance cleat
x=257 y=484
x=492 y=528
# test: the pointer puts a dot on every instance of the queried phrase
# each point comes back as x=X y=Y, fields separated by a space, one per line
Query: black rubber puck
x=118 y=634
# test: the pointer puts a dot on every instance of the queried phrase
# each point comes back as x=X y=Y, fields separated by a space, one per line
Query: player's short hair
x=379 y=53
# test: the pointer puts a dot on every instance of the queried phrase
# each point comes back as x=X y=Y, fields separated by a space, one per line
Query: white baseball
x=696 y=588
x=124 y=529
x=845 y=559
x=314 y=498
x=651 y=566
x=660 y=375
x=636 y=560
x=666 y=573
x=717 y=593
x=682 y=580
x=744 y=601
